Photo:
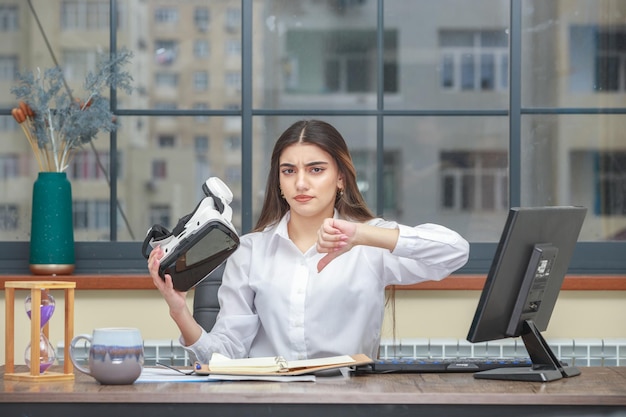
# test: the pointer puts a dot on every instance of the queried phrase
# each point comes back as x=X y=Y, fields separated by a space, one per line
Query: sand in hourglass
x=47 y=355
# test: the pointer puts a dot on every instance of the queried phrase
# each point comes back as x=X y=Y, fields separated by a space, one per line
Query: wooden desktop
x=598 y=391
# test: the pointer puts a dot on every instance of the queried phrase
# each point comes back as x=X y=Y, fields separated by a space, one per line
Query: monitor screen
x=523 y=284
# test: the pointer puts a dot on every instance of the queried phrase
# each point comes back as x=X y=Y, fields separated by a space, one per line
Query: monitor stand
x=546 y=366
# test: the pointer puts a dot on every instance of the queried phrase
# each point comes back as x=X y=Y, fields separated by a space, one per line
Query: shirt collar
x=280 y=229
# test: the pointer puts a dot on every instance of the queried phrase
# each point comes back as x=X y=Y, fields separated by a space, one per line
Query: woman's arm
x=337 y=236
x=431 y=244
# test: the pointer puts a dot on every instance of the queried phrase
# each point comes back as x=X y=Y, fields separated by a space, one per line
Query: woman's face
x=309 y=179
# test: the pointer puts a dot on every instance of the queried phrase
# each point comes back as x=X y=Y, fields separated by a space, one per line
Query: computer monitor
x=522 y=287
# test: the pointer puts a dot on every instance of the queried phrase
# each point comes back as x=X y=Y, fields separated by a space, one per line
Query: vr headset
x=201 y=240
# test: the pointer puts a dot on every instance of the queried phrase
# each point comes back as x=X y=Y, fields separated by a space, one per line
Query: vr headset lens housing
x=191 y=261
x=201 y=240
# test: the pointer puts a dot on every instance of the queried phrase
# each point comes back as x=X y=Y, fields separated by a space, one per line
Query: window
x=9 y=18
x=610 y=60
x=232 y=19
x=474 y=181
x=233 y=47
x=165 y=52
x=200 y=81
x=91 y=214
x=474 y=60
x=201 y=18
x=166 y=79
x=233 y=81
x=84 y=165
x=611 y=183
x=424 y=151
x=159 y=169
x=201 y=48
x=8 y=67
x=166 y=15
x=166 y=141
x=232 y=143
x=597 y=58
x=85 y=15
x=160 y=214
x=347 y=60
x=9 y=166
x=9 y=215
x=201 y=143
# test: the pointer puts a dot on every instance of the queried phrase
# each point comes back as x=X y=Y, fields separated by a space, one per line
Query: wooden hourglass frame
x=35 y=330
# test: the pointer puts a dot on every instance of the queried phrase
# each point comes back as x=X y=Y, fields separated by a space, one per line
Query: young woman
x=310 y=280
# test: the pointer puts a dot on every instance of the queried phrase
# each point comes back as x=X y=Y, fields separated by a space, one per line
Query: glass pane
x=448 y=170
x=186 y=53
x=160 y=175
x=487 y=72
x=183 y=121
x=447 y=71
x=318 y=55
x=174 y=68
x=449 y=60
x=575 y=51
x=568 y=159
x=17 y=175
x=65 y=25
x=467 y=72
x=358 y=132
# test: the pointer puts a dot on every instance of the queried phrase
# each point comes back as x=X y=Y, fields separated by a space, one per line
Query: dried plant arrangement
x=56 y=123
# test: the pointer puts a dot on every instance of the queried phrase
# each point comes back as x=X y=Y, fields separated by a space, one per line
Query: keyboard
x=410 y=365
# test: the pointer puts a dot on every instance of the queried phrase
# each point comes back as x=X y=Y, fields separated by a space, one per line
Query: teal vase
x=52 y=228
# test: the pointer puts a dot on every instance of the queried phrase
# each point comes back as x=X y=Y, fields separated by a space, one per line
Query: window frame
x=123 y=258
x=9 y=18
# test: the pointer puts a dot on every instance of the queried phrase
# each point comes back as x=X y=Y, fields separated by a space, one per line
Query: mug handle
x=76 y=339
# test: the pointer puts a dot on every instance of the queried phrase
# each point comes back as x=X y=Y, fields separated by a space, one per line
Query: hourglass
x=40 y=353
x=46 y=350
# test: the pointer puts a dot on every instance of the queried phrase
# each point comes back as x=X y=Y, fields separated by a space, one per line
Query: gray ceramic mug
x=115 y=355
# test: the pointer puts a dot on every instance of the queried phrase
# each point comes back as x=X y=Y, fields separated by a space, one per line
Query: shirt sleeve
x=237 y=322
x=424 y=252
x=234 y=343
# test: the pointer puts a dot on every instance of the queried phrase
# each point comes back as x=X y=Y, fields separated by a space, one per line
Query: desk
x=598 y=391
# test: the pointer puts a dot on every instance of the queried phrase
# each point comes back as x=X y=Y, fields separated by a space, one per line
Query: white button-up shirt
x=274 y=302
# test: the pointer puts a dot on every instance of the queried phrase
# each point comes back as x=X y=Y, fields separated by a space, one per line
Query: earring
x=339 y=193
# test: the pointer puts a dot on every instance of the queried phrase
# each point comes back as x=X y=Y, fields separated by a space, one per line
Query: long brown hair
x=350 y=205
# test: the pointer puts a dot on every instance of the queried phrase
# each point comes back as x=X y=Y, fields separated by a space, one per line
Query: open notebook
x=276 y=366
